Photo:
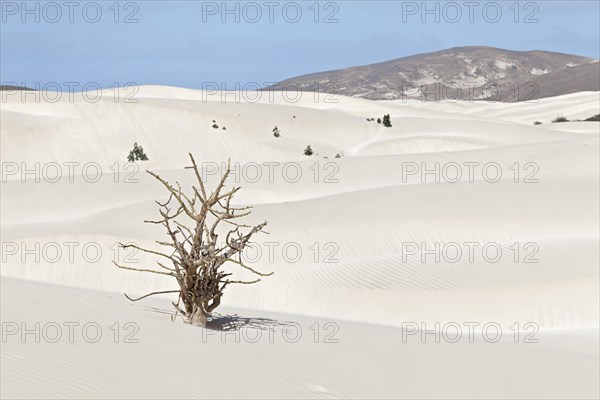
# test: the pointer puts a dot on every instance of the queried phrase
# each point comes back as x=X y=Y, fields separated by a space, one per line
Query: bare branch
x=143 y=270
x=241 y=264
x=135 y=246
x=244 y=282
x=152 y=294
x=203 y=198
x=171 y=189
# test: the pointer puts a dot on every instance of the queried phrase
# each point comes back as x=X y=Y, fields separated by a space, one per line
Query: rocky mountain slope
x=475 y=72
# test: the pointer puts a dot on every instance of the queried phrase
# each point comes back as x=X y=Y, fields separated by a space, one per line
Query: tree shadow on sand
x=230 y=322
x=234 y=322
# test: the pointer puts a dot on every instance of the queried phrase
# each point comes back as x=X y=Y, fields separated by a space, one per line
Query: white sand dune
x=349 y=360
x=372 y=214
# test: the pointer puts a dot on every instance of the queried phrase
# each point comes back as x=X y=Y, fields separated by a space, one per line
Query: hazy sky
x=188 y=43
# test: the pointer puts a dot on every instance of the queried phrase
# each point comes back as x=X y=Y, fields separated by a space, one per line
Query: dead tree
x=196 y=255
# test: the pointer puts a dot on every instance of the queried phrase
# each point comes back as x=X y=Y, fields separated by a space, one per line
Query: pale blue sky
x=185 y=43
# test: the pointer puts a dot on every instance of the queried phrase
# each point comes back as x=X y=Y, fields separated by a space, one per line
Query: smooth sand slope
x=512 y=208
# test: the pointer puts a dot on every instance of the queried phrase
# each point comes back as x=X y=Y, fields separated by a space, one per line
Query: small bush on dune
x=560 y=119
x=537 y=123
x=216 y=126
x=276 y=132
x=308 y=151
x=594 y=118
x=137 y=154
x=387 y=121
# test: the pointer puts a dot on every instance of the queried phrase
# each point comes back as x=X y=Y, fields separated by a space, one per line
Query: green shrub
x=308 y=151
x=560 y=119
x=537 y=123
x=276 y=132
x=594 y=118
x=137 y=154
x=387 y=122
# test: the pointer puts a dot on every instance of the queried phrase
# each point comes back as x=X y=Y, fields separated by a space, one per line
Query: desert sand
x=352 y=240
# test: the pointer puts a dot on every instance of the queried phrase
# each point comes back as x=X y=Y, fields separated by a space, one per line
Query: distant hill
x=460 y=72
x=10 y=87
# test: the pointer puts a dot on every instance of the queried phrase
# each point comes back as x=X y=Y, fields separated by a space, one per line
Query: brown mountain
x=580 y=78
x=462 y=72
